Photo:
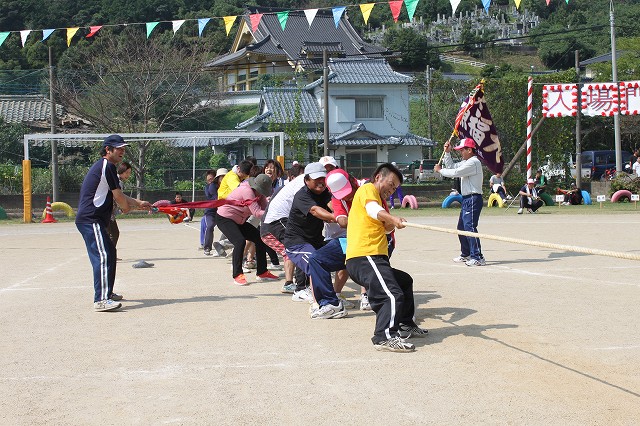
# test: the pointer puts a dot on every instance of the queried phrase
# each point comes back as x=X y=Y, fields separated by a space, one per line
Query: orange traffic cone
x=49 y=217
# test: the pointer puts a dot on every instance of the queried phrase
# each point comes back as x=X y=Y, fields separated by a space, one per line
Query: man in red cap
x=469 y=170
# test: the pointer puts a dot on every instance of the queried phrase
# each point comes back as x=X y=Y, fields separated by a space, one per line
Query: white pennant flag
x=23 y=36
x=177 y=25
x=310 y=14
x=454 y=5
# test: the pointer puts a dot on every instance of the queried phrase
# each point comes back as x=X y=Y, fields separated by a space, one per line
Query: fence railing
x=453 y=59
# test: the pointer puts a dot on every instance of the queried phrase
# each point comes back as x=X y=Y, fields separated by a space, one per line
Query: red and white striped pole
x=529 y=118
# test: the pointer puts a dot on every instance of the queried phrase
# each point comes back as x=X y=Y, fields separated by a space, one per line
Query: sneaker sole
x=337 y=315
x=111 y=308
x=384 y=348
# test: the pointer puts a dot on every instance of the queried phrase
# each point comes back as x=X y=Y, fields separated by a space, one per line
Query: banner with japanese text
x=559 y=100
x=629 y=97
x=600 y=99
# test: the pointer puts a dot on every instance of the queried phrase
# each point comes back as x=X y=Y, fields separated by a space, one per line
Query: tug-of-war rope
x=563 y=247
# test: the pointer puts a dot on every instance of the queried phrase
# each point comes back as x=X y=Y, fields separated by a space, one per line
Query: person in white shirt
x=469 y=170
x=529 y=198
x=496 y=184
x=636 y=167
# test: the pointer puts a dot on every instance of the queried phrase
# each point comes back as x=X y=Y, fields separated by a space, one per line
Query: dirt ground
x=535 y=337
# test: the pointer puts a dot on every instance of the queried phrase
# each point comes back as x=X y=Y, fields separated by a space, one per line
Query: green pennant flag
x=150 y=27
x=411 y=7
x=282 y=17
x=3 y=36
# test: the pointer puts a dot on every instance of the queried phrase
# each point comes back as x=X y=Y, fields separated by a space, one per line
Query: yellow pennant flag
x=228 y=22
x=366 y=10
x=70 y=33
x=517 y=3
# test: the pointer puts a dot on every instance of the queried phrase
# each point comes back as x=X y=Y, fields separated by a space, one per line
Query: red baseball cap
x=465 y=143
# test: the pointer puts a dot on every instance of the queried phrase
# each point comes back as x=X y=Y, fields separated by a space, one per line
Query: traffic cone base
x=49 y=217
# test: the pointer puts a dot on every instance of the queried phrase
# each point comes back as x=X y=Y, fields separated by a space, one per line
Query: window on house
x=362 y=164
x=369 y=108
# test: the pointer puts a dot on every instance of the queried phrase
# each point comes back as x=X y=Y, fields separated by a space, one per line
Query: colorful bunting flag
x=3 y=36
x=228 y=22
x=454 y=5
x=486 y=4
x=366 y=9
x=395 y=7
x=47 y=33
x=310 y=14
x=255 y=21
x=23 y=36
x=150 y=27
x=176 y=25
x=548 y=1
x=337 y=14
x=517 y=3
x=411 y=8
x=282 y=17
x=202 y=22
x=93 y=30
x=70 y=33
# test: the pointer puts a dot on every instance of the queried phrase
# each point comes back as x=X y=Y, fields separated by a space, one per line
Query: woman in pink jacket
x=232 y=222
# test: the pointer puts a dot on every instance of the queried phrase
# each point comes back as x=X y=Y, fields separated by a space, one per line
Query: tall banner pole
x=529 y=119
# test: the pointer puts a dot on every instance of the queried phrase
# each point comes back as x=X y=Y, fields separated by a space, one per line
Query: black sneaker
x=395 y=344
x=116 y=296
x=407 y=330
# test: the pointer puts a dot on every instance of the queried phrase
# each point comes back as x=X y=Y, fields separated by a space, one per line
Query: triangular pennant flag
x=548 y=1
x=517 y=3
x=47 y=33
x=177 y=24
x=255 y=21
x=93 y=30
x=310 y=14
x=282 y=17
x=228 y=22
x=454 y=5
x=202 y=22
x=411 y=8
x=395 y=7
x=3 y=36
x=486 y=4
x=366 y=9
x=150 y=27
x=70 y=33
x=337 y=14
x=23 y=36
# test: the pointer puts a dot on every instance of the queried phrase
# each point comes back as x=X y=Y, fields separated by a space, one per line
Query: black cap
x=114 y=141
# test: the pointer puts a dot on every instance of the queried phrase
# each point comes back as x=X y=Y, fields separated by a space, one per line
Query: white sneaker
x=106 y=305
x=273 y=267
x=461 y=259
x=302 y=295
x=329 y=312
x=364 y=302
x=346 y=303
x=474 y=262
x=520 y=211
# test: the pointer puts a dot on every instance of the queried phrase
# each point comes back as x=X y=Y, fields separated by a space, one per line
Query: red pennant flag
x=395 y=7
x=94 y=30
x=255 y=21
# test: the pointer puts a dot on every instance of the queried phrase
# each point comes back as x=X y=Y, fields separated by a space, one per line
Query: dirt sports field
x=537 y=336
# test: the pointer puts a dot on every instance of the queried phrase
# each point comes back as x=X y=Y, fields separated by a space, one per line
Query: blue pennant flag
x=46 y=34
x=201 y=24
x=337 y=14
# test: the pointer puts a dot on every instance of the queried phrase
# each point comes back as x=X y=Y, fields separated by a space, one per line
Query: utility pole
x=55 y=179
x=578 y=128
x=325 y=87
x=614 y=74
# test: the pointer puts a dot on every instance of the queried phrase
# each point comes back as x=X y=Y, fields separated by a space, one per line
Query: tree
x=126 y=83
x=412 y=48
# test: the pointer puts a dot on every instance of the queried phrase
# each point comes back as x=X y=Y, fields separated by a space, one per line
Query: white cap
x=328 y=160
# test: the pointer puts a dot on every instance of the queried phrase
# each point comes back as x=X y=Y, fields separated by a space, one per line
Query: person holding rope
x=469 y=170
x=100 y=188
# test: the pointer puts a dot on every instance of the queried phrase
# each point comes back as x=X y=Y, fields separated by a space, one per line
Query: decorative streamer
x=548 y=1
x=3 y=36
x=255 y=21
x=282 y=17
x=93 y=31
x=411 y=8
x=486 y=4
x=517 y=3
x=47 y=33
x=202 y=22
x=70 y=33
x=337 y=14
x=395 y=6
x=150 y=27
x=310 y=14
x=228 y=23
x=454 y=5
x=23 y=36
x=177 y=24
x=366 y=9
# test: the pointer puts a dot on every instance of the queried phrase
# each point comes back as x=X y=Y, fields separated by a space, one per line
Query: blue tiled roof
x=279 y=106
x=27 y=108
x=362 y=70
